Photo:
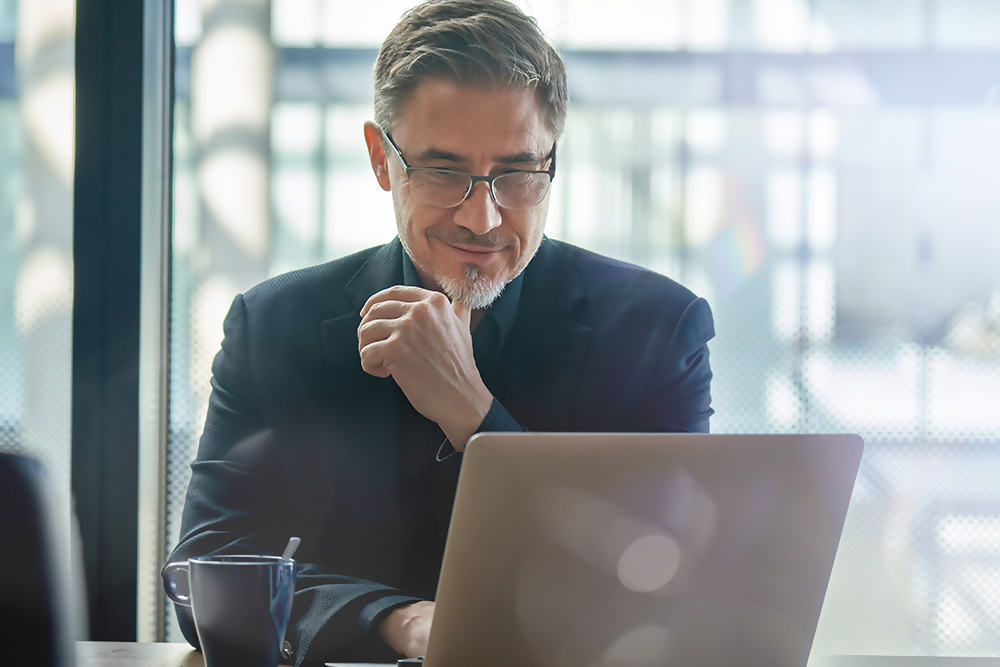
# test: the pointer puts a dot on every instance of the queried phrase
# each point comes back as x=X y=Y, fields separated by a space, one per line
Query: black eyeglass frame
x=408 y=170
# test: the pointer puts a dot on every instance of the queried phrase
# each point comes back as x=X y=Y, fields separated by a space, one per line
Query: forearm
x=339 y=618
x=334 y=617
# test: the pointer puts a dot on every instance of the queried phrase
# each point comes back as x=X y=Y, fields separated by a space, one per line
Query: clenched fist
x=424 y=342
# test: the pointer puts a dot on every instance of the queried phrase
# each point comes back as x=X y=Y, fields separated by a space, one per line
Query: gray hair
x=489 y=43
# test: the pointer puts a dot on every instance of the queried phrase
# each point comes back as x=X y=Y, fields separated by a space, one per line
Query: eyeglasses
x=444 y=188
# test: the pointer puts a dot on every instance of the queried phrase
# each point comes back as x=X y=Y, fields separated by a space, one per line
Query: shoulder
x=334 y=272
x=608 y=281
x=317 y=288
x=633 y=313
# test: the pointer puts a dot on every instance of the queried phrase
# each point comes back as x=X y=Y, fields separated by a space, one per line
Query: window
x=36 y=232
x=817 y=170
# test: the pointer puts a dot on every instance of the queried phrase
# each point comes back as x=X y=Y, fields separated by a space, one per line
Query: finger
x=384 y=310
x=373 y=331
x=373 y=358
x=395 y=293
x=464 y=313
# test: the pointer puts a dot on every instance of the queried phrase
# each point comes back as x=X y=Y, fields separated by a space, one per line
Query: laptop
x=636 y=550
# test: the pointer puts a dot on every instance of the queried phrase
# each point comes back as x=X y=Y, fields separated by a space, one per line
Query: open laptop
x=636 y=550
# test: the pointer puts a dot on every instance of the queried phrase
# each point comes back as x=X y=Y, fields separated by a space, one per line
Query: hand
x=425 y=343
x=407 y=629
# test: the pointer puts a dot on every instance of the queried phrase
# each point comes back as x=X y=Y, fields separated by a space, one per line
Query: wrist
x=391 y=629
x=406 y=629
x=459 y=431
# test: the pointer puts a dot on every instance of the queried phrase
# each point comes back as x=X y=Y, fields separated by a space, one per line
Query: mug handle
x=174 y=582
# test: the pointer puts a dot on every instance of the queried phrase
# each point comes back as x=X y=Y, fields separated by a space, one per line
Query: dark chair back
x=37 y=609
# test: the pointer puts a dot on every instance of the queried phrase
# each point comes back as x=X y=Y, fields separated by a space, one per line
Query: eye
x=507 y=172
x=438 y=177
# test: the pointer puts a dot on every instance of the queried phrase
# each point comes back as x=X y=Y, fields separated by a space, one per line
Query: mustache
x=463 y=236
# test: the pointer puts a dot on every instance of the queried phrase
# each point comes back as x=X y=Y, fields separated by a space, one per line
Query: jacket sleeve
x=236 y=504
x=497 y=420
x=678 y=398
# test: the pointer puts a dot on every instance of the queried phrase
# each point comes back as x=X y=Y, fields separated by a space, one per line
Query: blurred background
x=822 y=171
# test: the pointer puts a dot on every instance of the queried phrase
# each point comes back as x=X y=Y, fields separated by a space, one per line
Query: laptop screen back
x=598 y=549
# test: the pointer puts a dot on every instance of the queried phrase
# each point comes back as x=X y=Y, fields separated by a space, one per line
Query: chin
x=472 y=288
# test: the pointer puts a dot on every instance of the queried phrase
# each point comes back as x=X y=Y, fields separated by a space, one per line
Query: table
x=899 y=661
x=129 y=654
x=136 y=654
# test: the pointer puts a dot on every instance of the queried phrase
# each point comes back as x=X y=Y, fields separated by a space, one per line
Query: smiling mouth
x=478 y=250
x=466 y=241
x=483 y=250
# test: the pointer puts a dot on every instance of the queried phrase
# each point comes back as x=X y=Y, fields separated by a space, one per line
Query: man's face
x=472 y=250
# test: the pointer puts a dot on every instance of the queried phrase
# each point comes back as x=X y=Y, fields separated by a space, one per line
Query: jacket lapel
x=547 y=345
x=354 y=392
x=340 y=334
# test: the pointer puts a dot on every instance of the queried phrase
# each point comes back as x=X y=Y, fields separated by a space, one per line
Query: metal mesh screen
x=36 y=270
x=10 y=343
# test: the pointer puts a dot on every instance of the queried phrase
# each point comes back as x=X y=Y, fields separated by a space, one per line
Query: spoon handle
x=293 y=544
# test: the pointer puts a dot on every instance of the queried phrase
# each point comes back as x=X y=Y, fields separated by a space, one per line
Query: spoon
x=293 y=544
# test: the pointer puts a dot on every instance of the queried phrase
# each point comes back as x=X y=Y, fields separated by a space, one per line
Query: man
x=344 y=394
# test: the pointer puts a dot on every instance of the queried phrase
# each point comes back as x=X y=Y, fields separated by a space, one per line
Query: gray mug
x=241 y=605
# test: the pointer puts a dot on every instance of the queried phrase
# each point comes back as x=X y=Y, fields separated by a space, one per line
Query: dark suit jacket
x=300 y=441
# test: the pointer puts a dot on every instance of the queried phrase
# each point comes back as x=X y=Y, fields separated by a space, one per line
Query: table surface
x=131 y=654
x=136 y=654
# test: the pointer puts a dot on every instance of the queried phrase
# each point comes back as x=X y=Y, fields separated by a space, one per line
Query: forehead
x=473 y=122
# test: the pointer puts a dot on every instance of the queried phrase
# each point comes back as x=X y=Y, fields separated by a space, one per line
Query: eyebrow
x=448 y=156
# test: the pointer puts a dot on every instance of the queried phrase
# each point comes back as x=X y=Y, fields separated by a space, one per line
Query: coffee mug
x=241 y=605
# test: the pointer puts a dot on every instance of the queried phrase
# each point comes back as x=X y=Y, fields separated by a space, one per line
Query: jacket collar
x=383 y=269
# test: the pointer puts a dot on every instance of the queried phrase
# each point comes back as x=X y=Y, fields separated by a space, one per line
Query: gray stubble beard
x=473 y=289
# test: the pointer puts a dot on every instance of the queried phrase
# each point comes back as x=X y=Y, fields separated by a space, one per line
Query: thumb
x=463 y=312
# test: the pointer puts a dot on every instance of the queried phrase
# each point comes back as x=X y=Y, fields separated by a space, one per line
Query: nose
x=479 y=213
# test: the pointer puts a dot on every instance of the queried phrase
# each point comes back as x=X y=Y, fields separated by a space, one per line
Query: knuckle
x=421 y=309
x=365 y=334
x=404 y=324
x=382 y=306
x=391 y=345
x=365 y=352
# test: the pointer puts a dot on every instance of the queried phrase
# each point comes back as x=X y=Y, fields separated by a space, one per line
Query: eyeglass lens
x=446 y=189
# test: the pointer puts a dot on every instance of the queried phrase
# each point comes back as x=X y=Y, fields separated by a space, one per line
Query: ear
x=373 y=137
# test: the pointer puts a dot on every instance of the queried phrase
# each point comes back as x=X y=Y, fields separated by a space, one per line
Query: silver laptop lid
x=633 y=550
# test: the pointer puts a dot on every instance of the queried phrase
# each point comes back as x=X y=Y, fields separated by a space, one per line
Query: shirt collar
x=502 y=312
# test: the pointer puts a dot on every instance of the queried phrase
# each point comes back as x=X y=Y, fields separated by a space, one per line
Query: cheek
x=528 y=228
x=533 y=226
x=414 y=218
